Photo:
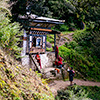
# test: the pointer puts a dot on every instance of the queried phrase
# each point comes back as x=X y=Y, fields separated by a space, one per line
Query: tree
x=31 y=6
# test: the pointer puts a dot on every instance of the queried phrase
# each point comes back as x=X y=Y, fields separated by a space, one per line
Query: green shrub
x=93 y=92
x=62 y=27
x=78 y=58
x=72 y=93
x=48 y=49
x=10 y=35
x=72 y=44
x=50 y=38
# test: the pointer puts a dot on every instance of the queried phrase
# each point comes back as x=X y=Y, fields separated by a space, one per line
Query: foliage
x=50 y=38
x=78 y=93
x=10 y=34
x=4 y=7
x=58 y=8
x=49 y=49
x=81 y=59
x=61 y=28
x=90 y=39
x=93 y=92
x=72 y=93
x=31 y=6
x=71 y=11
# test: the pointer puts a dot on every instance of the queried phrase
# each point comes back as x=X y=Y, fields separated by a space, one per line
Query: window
x=38 y=42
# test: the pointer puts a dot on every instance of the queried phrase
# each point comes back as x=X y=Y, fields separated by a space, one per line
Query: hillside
x=17 y=82
x=82 y=52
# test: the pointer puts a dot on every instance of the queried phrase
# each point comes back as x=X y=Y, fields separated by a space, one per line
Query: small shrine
x=36 y=31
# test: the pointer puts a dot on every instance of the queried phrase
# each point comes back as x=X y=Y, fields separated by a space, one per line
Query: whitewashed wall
x=25 y=58
x=47 y=59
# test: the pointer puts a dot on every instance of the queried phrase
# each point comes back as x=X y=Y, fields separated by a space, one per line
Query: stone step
x=51 y=73
x=37 y=63
x=46 y=70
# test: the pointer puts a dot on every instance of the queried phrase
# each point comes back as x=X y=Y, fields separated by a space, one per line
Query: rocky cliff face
x=20 y=83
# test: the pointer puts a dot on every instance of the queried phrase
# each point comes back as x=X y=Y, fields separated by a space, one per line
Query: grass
x=49 y=49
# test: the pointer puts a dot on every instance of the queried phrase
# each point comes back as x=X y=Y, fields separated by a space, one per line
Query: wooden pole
x=34 y=63
x=54 y=42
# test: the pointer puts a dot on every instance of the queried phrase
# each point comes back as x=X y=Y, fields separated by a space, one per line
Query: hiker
x=59 y=58
x=38 y=59
x=58 y=63
x=71 y=74
x=57 y=66
x=56 y=51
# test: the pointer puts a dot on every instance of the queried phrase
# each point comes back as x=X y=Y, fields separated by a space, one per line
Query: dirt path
x=60 y=84
x=65 y=38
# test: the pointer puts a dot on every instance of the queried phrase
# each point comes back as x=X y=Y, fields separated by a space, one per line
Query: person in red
x=56 y=52
x=59 y=58
x=38 y=59
x=58 y=63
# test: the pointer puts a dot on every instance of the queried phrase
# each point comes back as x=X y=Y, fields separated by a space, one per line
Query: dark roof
x=35 y=18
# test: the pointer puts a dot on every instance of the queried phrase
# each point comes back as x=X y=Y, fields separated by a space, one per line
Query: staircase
x=48 y=72
x=35 y=63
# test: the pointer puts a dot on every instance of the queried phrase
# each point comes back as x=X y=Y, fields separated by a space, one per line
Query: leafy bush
x=62 y=28
x=72 y=44
x=10 y=35
x=50 y=38
x=78 y=58
x=93 y=92
x=79 y=93
x=72 y=93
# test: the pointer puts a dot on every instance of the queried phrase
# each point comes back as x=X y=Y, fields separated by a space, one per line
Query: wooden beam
x=40 y=29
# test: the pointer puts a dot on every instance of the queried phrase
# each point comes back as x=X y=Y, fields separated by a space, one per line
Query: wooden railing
x=34 y=61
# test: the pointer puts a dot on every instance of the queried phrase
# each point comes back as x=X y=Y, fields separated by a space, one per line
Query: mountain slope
x=17 y=82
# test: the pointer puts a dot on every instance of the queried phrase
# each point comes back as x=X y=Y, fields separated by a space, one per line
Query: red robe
x=38 y=60
x=56 y=52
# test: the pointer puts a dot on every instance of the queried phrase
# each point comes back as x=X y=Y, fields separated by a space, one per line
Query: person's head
x=71 y=68
x=58 y=55
x=38 y=53
x=56 y=45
